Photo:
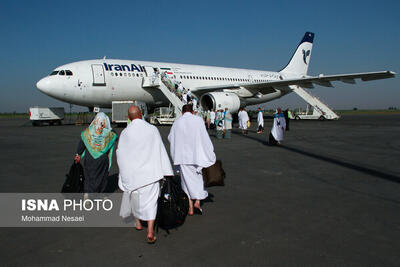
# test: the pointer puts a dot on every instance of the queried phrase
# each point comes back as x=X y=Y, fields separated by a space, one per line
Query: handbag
x=173 y=204
x=74 y=181
x=214 y=175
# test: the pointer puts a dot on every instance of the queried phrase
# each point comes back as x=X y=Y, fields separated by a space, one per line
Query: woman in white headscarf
x=96 y=149
x=278 y=128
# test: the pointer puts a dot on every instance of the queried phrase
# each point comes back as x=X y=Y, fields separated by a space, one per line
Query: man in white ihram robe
x=240 y=118
x=142 y=161
x=260 y=121
x=212 y=118
x=244 y=118
x=184 y=97
x=192 y=150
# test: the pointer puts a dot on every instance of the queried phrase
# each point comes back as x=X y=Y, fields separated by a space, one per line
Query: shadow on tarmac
x=263 y=141
x=369 y=171
x=365 y=170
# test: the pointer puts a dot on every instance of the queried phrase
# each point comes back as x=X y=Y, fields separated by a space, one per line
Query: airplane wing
x=307 y=82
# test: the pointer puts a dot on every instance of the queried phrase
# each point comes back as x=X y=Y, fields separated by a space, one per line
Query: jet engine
x=220 y=100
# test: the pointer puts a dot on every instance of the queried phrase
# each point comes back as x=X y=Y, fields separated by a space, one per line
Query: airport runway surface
x=330 y=196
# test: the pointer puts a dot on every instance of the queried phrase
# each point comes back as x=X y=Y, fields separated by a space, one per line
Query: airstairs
x=167 y=87
x=318 y=105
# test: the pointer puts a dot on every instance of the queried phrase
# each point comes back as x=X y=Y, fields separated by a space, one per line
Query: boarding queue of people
x=143 y=161
x=191 y=150
x=221 y=120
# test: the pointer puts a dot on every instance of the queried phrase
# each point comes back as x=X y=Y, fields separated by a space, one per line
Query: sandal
x=151 y=239
x=198 y=211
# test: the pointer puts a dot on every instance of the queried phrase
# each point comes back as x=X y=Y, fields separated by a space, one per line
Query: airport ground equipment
x=162 y=116
x=42 y=115
x=173 y=99
x=120 y=110
x=166 y=84
x=320 y=110
x=310 y=113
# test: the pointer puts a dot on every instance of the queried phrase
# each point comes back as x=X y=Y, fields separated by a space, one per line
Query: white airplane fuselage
x=96 y=83
x=123 y=80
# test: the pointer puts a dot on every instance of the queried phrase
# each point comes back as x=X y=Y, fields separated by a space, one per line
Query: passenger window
x=125 y=74
x=112 y=73
x=68 y=72
x=129 y=74
x=54 y=73
x=61 y=72
x=120 y=74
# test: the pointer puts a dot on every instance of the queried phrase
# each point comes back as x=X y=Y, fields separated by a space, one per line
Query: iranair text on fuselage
x=118 y=67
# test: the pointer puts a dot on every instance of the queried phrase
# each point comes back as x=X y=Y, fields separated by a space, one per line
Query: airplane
x=96 y=83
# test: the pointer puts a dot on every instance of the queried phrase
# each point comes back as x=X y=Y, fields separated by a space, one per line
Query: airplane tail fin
x=298 y=64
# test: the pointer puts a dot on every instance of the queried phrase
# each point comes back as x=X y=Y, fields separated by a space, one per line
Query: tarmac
x=329 y=196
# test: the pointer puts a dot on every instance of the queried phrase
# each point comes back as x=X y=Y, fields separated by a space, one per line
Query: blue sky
x=351 y=36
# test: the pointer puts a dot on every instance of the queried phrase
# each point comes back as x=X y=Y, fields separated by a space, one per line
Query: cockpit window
x=68 y=72
x=54 y=72
x=61 y=72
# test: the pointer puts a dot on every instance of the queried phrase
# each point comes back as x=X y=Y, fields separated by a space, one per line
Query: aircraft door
x=149 y=71
x=98 y=75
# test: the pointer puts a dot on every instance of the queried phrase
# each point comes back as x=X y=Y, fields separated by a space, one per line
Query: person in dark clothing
x=95 y=148
x=287 y=120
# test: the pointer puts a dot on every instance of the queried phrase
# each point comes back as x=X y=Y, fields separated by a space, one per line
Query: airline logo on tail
x=305 y=55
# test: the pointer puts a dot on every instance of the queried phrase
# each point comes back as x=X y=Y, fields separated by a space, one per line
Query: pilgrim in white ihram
x=142 y=161
x=192 y=150
x=260 y=121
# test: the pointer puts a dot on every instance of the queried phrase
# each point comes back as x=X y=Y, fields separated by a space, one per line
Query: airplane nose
x=43 y=85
